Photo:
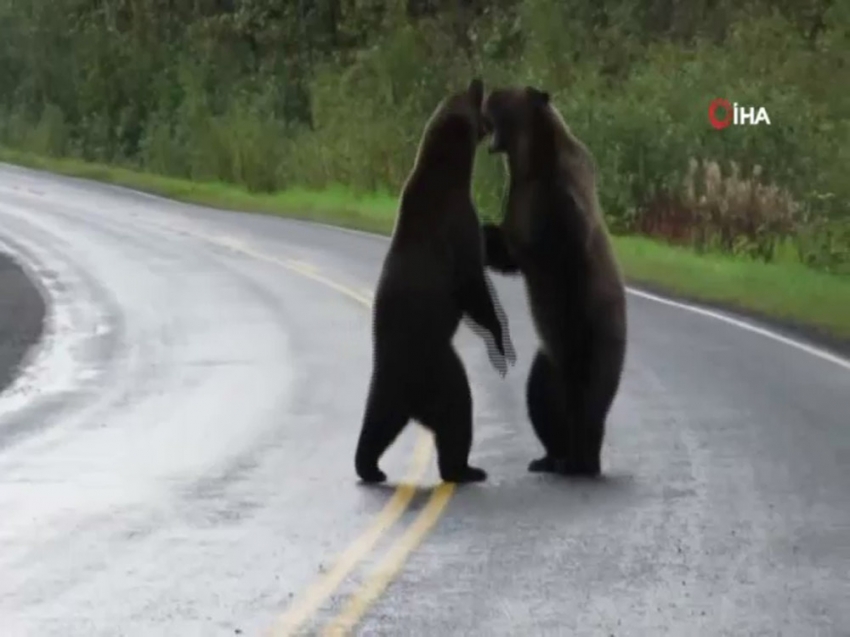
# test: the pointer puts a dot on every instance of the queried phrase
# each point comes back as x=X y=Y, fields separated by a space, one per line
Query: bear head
x=511 y=116
x=456 y=127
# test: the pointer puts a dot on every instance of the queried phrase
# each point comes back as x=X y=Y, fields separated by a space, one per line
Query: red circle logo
x=712 y=113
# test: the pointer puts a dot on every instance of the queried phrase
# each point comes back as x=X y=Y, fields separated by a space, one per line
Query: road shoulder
x=22 y=312
x=784 y=327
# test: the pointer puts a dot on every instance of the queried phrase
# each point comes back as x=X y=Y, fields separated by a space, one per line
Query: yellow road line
x=312 y=599
x=311 y=272
x=301 y=266
x=390 y=566
x=324 y=587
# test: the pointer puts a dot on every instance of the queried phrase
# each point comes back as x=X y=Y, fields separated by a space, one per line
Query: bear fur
x=553 y=233
x=433 y=275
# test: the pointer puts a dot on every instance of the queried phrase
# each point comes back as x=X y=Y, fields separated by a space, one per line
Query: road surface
x=176 y=459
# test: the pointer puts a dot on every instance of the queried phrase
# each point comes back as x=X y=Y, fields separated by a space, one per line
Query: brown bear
x=433 y=275
x=553 y=233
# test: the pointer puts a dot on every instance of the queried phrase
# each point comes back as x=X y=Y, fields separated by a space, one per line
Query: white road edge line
x=755 y=329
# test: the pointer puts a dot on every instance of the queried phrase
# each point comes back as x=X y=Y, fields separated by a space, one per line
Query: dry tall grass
x=731 y=213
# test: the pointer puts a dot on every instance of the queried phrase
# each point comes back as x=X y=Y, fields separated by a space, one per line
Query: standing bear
x=554 y=234
x=432 y=276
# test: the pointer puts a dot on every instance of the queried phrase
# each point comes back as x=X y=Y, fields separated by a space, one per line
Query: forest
x=311 y=94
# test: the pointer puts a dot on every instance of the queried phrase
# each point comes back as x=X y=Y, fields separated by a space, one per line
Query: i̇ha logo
x=735 y=114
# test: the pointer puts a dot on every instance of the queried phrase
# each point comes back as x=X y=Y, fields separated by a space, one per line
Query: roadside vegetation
x=314 y=109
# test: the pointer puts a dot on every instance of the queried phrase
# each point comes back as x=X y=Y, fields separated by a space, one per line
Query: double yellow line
x=306 y=605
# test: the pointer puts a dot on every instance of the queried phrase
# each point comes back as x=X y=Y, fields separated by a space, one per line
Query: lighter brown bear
x=553 y=233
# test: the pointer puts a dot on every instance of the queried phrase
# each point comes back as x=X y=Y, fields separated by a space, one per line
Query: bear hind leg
x=447 y=411
x=385 y=416
x=603 y=381
x=547 y=402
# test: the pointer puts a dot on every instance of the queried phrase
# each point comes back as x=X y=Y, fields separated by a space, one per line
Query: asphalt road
x=177 y=458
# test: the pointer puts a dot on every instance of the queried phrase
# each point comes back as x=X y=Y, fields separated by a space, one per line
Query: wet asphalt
x=176 y=458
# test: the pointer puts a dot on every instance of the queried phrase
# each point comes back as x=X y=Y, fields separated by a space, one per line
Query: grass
x=789 y=292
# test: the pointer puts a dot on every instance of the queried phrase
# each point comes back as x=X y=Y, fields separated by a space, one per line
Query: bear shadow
x=527 y=493
x=607 y=488
x=527 y=496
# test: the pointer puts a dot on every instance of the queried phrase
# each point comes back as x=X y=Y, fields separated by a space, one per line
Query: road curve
x=176 y=458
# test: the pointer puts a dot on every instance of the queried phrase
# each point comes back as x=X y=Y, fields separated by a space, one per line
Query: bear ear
x=538 y=96
x=476 y=91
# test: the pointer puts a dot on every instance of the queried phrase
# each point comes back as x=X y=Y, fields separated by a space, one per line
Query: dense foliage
x=270 y=94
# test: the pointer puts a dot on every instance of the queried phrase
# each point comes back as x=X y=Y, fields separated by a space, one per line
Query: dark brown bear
x=554 y=234
x=432 y=276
